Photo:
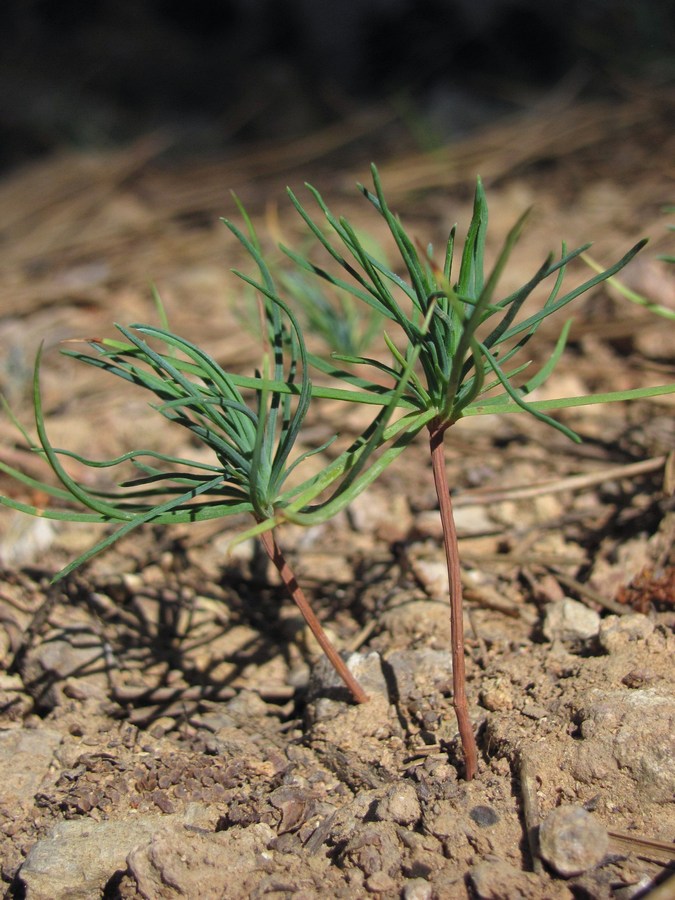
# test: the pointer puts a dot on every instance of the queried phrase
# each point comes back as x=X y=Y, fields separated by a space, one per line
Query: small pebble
x=484 y=816
x=572 y=841
x=432 y=575
x=400 y=804
x=569 y=620
x=638 y=678
x=473 y=520
x=417 y=889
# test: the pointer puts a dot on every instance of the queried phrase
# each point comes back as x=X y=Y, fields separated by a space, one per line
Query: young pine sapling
x=453 y=360
x=455 y=355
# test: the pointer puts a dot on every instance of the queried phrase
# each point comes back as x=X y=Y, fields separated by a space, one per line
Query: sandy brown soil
x=166 y=729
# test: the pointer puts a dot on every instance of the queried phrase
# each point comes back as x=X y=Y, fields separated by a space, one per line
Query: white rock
x=473 y=520
x=417 y=889
x=569 y=620
x=433 y=576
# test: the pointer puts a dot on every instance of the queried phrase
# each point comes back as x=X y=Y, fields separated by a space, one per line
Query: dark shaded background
x=217 y=71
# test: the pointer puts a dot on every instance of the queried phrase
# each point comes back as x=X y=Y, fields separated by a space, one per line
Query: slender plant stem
x=289 y=580
x=436 y=433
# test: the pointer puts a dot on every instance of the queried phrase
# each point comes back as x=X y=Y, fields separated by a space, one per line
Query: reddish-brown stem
x=436 y=433
x=276 y=554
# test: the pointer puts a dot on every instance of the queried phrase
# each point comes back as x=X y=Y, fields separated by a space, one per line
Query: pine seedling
x=251 y=425
x=456 y=345
x=455 y=360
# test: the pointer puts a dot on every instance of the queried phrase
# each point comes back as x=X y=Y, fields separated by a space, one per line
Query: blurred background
x=211 y=73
